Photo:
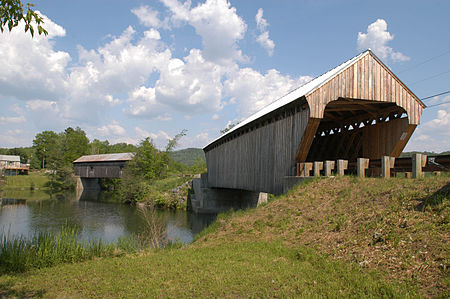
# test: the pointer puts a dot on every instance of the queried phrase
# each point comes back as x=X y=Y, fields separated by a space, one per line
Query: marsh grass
x=45 y=249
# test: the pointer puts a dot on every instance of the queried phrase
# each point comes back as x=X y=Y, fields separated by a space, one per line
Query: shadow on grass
x=8 y=291
x=434 y=200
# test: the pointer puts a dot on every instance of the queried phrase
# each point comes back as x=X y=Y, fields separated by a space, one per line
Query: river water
x=95 y=218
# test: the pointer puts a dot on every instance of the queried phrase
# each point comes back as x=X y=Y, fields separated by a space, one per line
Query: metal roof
x=294 y=95
x=105 y=158
x=10 y=158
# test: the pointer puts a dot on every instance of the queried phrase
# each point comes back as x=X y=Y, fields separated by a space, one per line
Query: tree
x=75 y=145
x=46 y=151
x=174 y=141
x=229 y=127
x=12 y=12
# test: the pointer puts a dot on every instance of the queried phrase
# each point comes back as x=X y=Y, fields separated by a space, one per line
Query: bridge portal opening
x=352 y=129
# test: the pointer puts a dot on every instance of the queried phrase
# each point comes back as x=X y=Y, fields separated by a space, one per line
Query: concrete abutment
x=211 y=200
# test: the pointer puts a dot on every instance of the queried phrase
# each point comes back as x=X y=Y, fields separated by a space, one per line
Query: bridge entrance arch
x=353 y=128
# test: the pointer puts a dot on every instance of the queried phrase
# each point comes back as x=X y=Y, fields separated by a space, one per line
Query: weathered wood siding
x=99 y=169
x=367 y=79
x=259 y=158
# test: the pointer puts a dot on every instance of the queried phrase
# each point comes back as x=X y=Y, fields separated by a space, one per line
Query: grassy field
x=29 y=187
x=35 y=180
x=334 y=237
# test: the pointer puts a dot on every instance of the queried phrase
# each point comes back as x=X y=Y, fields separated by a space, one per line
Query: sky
x=127 y=70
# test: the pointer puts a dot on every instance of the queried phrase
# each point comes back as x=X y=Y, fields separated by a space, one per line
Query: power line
x=423 y=62
x=437 y=75
x=436 y=95
x=446 y=102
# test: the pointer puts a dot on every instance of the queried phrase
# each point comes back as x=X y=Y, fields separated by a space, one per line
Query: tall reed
x=45 y=249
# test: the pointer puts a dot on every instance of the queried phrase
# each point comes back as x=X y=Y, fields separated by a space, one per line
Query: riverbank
x=334 y=237
x=27 y=187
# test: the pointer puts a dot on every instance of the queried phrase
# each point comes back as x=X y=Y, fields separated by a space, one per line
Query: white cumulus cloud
x=377 y=38
x=147 y=16
x=252 y=90
x=263 y=38
x=112 y=129
x=217 y=23
x=32 y=63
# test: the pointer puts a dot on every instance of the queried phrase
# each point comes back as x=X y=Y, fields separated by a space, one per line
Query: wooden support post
x=328 y=167
x=341 y=166
x=362 y=165
x=386 y=164
x=418 y=161
x=318 y=166
x=305 y=169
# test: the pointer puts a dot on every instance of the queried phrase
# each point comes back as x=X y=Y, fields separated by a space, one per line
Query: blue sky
x=125 y=70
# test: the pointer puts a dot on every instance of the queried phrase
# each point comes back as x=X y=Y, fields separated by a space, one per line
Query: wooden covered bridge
x=90 y=168
x=358 y=109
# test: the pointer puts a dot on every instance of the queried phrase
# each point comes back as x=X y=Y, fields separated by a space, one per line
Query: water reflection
x=96 y=218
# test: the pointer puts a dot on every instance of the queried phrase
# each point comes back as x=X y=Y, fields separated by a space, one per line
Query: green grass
x=28 y=195
x=316 y=241
x=161 y=192
x=249 y=269
x=45 y=249
x=35 y=180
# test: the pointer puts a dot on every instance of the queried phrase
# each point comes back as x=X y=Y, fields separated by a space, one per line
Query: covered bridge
x=358 y=109
x=101 y=166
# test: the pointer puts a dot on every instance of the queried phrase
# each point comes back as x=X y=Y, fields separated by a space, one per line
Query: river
x=96 y=218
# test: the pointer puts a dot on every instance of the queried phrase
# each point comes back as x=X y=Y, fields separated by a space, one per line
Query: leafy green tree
x=172 y=144
x=99 y=147
x=122 y=148
x=229 y=127
x=46 y=151
x=12 y=12
x=75 y=144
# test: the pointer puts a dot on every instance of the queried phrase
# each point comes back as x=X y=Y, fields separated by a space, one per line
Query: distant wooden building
x=358 y=109
x=10 y=165
x=101 y=166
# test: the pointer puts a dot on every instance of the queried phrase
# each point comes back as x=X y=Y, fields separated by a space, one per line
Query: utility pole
x=43 y=159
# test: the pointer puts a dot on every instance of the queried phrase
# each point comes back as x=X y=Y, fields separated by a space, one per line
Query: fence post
x=386 y=164
x=305 y=169
x=362 y=165
x=418 y=161
x=318 y=166
x=328 y=167
x=341 y=166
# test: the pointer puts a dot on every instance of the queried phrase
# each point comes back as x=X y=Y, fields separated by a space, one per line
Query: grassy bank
x=28 y=187
x=336 y=237
x=33 y=181
x=46 y=249
x=170 y=192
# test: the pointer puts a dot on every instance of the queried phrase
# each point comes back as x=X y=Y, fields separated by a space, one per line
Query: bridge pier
x=87 y=187
x=206 y=200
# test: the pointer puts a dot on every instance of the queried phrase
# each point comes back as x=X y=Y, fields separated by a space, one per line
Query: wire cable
x=423 y=62
x=435 y=105
x=437 y=75
x=436 y=95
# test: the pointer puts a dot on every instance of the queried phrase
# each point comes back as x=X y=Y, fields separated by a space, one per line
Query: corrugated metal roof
x=105 y=158
x=10 y=158
x=295 y=94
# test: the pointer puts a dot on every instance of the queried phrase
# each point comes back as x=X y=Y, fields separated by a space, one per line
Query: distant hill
x=187 y=156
